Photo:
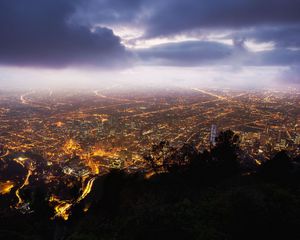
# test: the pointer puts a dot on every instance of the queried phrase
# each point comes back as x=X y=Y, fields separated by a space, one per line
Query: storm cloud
x=203 y=53
x=189 y=53
x=283 y=36
x=173 y=16
x=161 y=18
x=62 y=33
x=39 y=33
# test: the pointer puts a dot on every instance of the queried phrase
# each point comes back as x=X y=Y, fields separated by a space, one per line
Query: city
x=72 y=137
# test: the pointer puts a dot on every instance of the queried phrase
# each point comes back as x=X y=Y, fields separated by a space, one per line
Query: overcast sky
x=222 y=43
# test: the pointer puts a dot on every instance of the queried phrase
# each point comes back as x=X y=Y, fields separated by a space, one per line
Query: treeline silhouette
x=185 y=194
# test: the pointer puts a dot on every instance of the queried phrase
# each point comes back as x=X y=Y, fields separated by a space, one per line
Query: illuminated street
x=87 y=134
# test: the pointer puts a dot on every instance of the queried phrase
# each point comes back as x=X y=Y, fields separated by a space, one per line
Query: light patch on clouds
x=128 y=34
x=259 y=47
x=148 y=43
x=133 y=37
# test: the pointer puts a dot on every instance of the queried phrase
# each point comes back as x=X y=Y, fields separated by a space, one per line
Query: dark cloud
x=57 y=33
x=39 y=33
x=282 y=36
x=193 y=53
x=262 y=21
x=174 y=16
x=277 y=57
x=187 y=53
x=168 y=17
x=91 y=12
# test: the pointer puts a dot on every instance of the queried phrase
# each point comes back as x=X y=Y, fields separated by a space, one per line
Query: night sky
x=242 y=43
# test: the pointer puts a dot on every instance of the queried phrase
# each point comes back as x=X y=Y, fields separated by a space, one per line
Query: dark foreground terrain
x=217 y=194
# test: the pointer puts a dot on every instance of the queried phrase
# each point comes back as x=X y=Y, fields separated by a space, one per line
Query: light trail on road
x=31 y=103
x=64 y=206
x=25 y=183
x=98 y=94
x=86 y=190
x=5 y=187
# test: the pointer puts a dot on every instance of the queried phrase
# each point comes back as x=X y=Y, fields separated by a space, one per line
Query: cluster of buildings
x=85 y=136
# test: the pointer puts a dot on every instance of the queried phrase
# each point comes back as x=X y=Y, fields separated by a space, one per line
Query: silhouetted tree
x=278 y=168
x=224 y=154
x=156 y=157
x=151 y=161
x=180 y=159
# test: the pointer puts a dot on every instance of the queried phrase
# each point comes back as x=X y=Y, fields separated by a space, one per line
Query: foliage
x=197 y=196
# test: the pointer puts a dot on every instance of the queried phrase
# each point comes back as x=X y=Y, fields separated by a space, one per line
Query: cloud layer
x=61 y=33
x=38 y=33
